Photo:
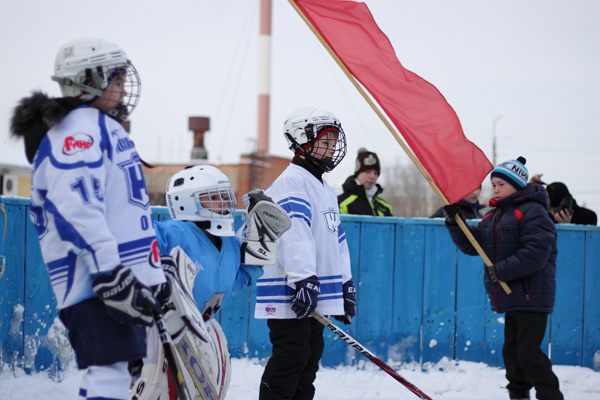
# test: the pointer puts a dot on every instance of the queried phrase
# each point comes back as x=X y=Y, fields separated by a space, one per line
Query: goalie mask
x=203 y=193
x=99 y=73
x=317 y=136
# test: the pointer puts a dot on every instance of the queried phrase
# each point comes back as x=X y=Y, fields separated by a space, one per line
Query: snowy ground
x=449 y=380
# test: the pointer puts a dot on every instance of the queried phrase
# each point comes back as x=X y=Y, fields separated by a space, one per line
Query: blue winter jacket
x=520 y=238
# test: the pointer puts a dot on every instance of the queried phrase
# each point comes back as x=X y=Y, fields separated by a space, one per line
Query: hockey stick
x=167 y=342
x=348 y=339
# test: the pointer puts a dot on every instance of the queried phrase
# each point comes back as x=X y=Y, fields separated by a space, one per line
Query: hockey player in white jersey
x=202 y=206
x=312 y=271
x=91 y=211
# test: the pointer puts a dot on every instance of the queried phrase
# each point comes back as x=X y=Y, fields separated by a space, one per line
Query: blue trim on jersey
x=272 y=280
x=296 y=208
x=327 y=289
x=82 y=393
x=104 y=141
x=273 y=301
x=61 y=270
x=322 y=278
x=274 y=290
x=102 y=398
x=341 y=234
x=135 y=251
x=66 y=231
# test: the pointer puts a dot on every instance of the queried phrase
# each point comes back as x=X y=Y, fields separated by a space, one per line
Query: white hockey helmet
x=304 y=127
x=203 y=193
x=84 y=68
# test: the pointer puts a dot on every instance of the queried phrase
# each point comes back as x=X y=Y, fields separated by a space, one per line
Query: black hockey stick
x=348 y=339
x=167 y=342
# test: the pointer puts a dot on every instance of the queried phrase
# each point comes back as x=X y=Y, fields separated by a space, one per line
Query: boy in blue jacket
x=520 y=239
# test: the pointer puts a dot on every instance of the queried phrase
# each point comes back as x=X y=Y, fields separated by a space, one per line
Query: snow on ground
x=447 y=380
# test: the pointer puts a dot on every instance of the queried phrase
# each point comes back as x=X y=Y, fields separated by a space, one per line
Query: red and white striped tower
x=264 y=77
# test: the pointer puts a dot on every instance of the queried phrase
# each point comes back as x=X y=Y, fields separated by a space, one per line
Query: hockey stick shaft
x=167 y=342
x=362 y=350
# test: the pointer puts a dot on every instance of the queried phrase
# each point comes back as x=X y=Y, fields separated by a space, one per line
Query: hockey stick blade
x=167 y=342
x=362 y=350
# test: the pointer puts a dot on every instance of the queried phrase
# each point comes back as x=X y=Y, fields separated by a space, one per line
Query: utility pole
x=264 y=78
x=498 y=118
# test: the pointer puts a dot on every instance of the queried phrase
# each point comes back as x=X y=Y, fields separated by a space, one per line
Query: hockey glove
x=304 y=300
x=127 y=300
x=163 y=291
x=450 y=211
x=491 y=269
x=349 y=303
x=264 y=222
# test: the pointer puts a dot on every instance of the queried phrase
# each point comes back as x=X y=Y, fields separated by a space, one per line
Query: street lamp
x=498 y=118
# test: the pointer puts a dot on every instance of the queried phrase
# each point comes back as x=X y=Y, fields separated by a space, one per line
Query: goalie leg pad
x=152 y=384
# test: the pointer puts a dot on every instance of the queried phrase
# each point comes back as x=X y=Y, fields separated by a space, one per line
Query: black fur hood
x=35 y=115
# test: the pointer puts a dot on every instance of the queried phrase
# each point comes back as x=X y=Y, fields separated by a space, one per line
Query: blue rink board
x=419 y=299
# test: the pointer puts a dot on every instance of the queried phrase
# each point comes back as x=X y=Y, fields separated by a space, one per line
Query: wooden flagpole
x=385 y=121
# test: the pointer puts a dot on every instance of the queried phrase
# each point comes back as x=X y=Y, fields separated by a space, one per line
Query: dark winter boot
x=519 y=396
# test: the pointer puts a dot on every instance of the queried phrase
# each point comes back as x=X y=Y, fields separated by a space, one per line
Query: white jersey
x=90 y=207
x=314 y=245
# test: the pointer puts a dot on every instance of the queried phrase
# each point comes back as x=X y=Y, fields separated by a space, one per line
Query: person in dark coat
x=563 y=207
x=520 y=239
x=469 y=206
x=361 y=190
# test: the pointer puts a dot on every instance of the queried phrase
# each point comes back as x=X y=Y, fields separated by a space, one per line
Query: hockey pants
x=291 y=370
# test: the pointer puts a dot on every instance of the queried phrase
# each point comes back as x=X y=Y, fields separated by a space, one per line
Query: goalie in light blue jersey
x=202 y=206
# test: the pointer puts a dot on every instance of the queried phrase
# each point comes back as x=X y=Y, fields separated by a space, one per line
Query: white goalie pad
x=207 y=369
x=265 y=223
x=185 y=313
x=152 y=384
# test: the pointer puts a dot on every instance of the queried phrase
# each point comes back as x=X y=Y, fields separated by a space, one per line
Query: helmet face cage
x=326 y=147
x=120 y=85
x=218 y=202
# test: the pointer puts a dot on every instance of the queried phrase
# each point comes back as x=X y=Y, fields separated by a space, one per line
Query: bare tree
x=408 y=192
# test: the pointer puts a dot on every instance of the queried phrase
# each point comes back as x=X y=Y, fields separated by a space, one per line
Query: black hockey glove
x=450 y=211
x=349 y=303
x=304 y=300
x=127 y=300
x=163 y=291
x=492 y=272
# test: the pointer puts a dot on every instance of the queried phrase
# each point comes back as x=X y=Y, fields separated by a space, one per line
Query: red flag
x=418 y=110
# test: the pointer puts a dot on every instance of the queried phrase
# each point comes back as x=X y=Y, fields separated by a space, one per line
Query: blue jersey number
x=79 y=187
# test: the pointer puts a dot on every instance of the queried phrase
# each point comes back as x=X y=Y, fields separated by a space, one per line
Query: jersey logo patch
x=212 y=306
x=76 y=143
x=271 y=309
x=331 y=220
x=154 y=256
x=136 y=187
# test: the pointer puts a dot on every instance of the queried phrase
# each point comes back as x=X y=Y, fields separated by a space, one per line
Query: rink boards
x=419 y=299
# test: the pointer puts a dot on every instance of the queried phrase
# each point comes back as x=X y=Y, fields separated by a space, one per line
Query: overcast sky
x=535 y=63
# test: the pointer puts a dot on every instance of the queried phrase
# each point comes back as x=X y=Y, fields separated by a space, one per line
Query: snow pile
x=445 y=380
